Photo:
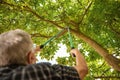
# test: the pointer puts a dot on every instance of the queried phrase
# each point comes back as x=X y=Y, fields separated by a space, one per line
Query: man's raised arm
x=81 y=65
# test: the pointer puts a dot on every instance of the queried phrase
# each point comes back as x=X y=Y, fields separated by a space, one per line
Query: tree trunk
x=110 y=59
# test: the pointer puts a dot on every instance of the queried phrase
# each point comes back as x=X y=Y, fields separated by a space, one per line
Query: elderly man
x=17 y=58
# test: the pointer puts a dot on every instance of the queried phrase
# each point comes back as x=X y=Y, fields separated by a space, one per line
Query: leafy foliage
x=97 y=19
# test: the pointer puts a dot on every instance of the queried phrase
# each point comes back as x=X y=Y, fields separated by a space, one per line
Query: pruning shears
x=55 y=36
x=59 y=34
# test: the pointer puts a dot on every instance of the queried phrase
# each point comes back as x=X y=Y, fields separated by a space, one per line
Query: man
x=17 y=58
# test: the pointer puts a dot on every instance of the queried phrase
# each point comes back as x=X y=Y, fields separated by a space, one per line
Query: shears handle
x=41 y=46
x=73 y=53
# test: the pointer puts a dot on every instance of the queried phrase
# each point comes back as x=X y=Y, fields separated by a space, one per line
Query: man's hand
x=74 y=52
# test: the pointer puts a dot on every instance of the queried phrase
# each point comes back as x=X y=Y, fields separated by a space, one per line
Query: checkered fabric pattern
x=41 y=71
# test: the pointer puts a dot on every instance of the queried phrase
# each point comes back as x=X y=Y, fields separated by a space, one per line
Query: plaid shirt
x=41 y=71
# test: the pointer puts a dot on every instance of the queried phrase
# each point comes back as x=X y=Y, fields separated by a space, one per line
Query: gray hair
x=14 y=46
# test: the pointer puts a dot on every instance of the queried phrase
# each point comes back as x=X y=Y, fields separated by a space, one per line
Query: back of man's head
x=14 y=46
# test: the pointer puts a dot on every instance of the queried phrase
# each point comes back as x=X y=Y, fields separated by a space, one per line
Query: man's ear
x=29 y=57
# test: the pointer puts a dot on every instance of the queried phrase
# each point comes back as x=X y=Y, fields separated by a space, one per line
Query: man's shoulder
x=38 y=67
x=43 y=63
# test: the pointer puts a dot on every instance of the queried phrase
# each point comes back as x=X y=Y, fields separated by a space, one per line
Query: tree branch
x=103 y=72
x=27 y=8
x=84 y=13
x=39 y=35
x=101 y=65
x=79 y=2
x=115 y=31
x=12 y=5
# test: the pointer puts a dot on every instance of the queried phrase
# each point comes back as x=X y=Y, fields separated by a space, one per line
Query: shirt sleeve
x=67 y=73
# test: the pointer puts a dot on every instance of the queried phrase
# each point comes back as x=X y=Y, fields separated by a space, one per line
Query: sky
x=62 y=52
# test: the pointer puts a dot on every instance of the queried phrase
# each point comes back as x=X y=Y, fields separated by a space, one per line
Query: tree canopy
x=94 y=26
